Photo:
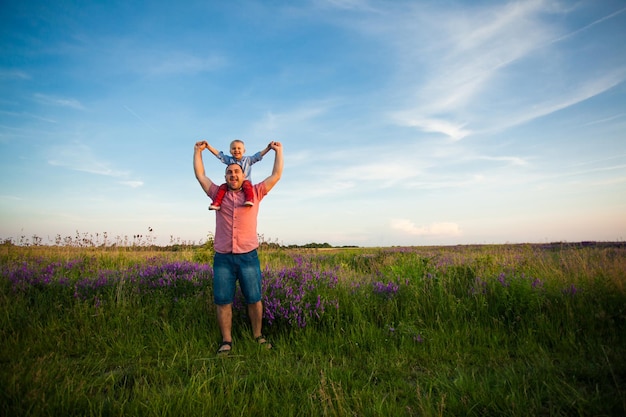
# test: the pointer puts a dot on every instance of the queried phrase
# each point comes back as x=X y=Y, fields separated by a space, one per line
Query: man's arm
x=277 y=170
x=198 y=166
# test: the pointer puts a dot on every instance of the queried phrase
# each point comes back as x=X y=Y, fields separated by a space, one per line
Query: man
x=236 y=243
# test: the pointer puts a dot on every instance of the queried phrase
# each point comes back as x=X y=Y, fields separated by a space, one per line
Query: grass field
x=502 y=330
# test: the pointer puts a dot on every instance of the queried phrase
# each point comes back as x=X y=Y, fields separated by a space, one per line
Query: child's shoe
x=248 y=203
x=214 y=207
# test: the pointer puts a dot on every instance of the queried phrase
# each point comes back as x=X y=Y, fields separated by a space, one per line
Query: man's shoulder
x=213 y=188
x=260 y=189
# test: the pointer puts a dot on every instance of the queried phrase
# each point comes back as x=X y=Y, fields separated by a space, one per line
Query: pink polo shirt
x=235 y=224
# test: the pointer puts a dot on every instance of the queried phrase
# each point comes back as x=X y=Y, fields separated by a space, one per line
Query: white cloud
x=455 y=131
x=513 y=160
x=132 y=184
x=595 y=22
x=577 y=94
x=79 y=157
x=463 y=82
x=434 y=230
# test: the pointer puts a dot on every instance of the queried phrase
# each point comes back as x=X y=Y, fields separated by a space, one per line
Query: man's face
x=234 y=176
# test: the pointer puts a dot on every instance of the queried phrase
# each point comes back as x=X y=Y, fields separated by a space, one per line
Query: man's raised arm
x=198 y=166
x=277 y=170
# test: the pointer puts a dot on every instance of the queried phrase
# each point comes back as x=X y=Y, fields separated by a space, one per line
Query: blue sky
x=403 y=122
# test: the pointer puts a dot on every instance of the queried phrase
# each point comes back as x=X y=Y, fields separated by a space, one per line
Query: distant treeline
x=318 y=246
x=148 y=242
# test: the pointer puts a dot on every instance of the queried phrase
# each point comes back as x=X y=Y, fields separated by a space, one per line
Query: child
x=237 y=150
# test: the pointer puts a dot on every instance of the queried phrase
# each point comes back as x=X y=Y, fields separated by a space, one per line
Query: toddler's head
x=237 y=149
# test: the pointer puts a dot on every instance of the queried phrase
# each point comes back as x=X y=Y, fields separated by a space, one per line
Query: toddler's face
x=237 y=150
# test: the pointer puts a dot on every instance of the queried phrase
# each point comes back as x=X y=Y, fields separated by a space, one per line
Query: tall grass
x=512 y=330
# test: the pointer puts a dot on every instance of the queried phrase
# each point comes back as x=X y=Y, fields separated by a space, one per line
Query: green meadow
x=491 y=330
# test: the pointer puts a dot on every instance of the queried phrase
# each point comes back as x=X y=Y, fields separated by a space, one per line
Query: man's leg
x=223 y=293
x=255 y=312
x=250 y=281
x=225 y=322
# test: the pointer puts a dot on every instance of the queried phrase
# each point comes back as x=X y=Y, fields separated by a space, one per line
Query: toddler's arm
x=266 y=149
x=259 y=155
x=226 y=159
x=212 y=149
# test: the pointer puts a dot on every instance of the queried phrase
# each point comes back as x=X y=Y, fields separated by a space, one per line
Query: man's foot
x=214 y=207
x=261 y=340
x=224 y=348
x=248 y=203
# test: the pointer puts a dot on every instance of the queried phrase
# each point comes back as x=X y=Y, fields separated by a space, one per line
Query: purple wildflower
x=571 y=290
x=295 y=295
x=502 y=279
x=480 y=287
x=386 y=290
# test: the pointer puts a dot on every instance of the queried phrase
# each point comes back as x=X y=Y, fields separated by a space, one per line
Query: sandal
x=261 y=340
x=222 y=351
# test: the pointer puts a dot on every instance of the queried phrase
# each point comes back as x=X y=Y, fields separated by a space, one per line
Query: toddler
x=237 y=151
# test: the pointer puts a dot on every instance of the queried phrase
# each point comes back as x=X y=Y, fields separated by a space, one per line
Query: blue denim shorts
x=228 y=268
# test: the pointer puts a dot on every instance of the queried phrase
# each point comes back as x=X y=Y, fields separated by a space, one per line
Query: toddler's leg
x=217 y=203
x=248 y=192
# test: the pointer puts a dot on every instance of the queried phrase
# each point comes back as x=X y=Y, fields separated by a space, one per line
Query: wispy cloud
x=141 y=119
x=590 y=25
x=477 y=44
x=606 y=119
x=80 y=157
x=588 y=172
x=28 y=115
x=513 y=160
x=132 y=56
x=354 y=5
x=293 y=118
x=10 y=198
x=180 y=63
x=463 y=181
x=445 y=229
x=453 y=130
x=59 y=101
x=10 y=74
x=132 y=184
x=484 y=75
x=544 y=106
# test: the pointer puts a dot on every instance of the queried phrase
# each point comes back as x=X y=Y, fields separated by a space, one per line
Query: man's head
x=234 y=176
x=237 y=149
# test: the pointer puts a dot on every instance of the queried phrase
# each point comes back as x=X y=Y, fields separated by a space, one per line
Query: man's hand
x=277 y=170
x=201 y=145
